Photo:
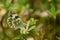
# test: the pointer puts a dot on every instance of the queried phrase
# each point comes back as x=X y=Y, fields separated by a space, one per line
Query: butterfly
x=14 y=20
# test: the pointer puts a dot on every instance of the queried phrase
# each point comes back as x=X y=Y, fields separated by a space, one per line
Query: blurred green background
x=39 y=19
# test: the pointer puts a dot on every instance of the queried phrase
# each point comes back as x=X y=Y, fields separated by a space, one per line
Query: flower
x=25 y=12
x=44 y=14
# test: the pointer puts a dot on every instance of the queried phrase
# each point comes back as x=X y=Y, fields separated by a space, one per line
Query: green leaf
x=53 y=11
x=31 y=28
x=16 y=38
x=32 y=21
